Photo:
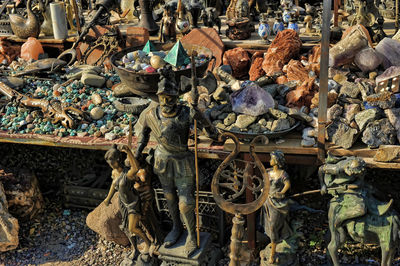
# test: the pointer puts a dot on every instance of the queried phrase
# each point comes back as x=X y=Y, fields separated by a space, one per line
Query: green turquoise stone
x=177 y=56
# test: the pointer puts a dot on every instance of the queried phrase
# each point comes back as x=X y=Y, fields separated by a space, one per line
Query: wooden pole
x=323 y=88
x=196 y=158
x=397 y=15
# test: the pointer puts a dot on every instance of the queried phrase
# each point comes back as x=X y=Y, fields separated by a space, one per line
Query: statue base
x=202 y=256
x=238 y=29
x=285 y=255
x=141 y=260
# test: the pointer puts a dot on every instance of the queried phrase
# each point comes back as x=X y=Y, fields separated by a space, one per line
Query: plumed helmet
x=167 y=84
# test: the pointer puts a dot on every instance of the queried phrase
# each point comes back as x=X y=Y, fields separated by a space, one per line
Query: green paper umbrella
x=177 y=56
x=149 y=47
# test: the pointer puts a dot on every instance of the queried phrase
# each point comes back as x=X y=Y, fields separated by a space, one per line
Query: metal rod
x=196 y=158
x=336 y=13
x=319 y=190
x=396 y=23
x=78 y=23
x=323 y=89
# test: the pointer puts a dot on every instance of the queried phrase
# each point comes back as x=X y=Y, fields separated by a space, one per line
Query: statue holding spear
x=169 y=123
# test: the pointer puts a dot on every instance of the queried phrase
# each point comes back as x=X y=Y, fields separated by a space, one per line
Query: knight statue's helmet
x=167 y=84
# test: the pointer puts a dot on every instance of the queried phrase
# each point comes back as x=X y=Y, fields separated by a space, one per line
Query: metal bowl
x=146 y=84
x=271 y=135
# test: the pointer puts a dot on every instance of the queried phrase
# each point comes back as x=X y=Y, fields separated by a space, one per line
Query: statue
x=128 y=181
x=354 y=207
x=167 y=27
x=276 y=215
x=169 y=123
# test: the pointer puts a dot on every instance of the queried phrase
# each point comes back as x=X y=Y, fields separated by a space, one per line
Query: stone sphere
x=96 y=99
x=97 y=113
x=157 y=62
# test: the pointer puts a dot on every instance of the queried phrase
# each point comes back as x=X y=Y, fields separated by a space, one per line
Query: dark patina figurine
x=168 y=24
x=169 y=123
x=355 y=209
x=276 y=207
x=127 y=181
x=210 y=18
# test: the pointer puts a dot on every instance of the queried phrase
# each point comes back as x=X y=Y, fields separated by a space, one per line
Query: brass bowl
x=146 y=84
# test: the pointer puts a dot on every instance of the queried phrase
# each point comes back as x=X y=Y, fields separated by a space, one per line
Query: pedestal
x=139 y=261
x=202 y=256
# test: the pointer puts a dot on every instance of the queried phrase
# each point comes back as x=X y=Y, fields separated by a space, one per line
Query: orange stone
x=256 y=70
x=281 y=80
x=239 y=60
x=285 y=46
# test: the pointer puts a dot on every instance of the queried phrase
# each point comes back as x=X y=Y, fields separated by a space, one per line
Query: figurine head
x=167 y=92
x=355 y=166
x=114 y=157
x=277 y=158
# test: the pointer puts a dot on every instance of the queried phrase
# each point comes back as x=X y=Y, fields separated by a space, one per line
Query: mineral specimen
x=364 y=117
x=367 y=59
x=341 y=134
x=285 y=46
x=389 y=49
x=251 y=100
x=256 y=71
x=239 y=60
x=243 y=121
x=379 y=132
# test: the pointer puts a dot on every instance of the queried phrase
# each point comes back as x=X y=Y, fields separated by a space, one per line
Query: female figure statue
x=276 y=207
x=126 y=182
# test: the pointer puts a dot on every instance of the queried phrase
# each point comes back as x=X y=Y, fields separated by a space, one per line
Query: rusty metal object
x=323 y=90
x=108 y=42
x=230 y=183
x=52 y=109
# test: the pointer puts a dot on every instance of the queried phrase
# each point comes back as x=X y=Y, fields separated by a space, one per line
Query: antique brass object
x=52 y=109
x=24 y=28
x=230 y=183
x=169 y=123
x=354 y=208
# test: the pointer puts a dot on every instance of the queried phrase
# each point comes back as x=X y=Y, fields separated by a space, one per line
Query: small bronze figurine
x=169 y=123
x=126 y=182
x=276 y=223
x=168 y=24
x=354 y=208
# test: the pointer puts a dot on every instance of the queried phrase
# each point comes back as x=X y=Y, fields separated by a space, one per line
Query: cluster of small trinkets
x=149 y=60
x=106 y=120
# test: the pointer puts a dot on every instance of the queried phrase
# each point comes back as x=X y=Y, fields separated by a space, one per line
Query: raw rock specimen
x=296 y=71
x=384 y=100
x=394 y=117
x=334 y=112
x=379 y=132
x=364 y=117
x=9 y=226
x=251 y=100
x=256 y=70
x=345 y=50
x=391 y=72
x=341 y=134
x=105 y=221
x=389 y=49
x=239 y=60
x=367 y=59
x=302 y=95
x=23 y=194
x=8 y=52
x=285 y=46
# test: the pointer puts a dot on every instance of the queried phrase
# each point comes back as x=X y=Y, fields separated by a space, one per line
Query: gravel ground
x=59 y=236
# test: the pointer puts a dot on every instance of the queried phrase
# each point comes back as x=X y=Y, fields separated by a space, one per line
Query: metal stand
x=147 y=20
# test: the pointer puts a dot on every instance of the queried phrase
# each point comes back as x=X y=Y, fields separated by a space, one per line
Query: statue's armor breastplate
x=175 y=130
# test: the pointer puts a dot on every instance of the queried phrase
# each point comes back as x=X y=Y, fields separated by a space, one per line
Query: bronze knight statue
x=355 y=208
x=169 y=123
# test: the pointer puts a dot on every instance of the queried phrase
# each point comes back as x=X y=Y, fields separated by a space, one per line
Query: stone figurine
x=169 y=123
x=126 y=181
x=276 y=207
x=355 y=209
